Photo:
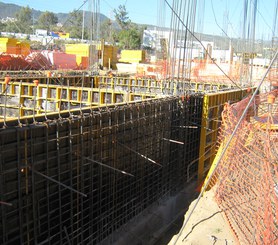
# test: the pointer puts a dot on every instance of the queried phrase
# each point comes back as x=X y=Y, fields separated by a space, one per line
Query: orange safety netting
x=246 y=178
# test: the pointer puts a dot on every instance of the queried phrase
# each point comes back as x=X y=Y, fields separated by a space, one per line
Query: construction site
x=97 y=149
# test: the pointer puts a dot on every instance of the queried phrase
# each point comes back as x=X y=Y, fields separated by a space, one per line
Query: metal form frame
x=22 y=97
x=211 y=121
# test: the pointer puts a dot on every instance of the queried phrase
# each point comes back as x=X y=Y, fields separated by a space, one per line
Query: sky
x=212 y=15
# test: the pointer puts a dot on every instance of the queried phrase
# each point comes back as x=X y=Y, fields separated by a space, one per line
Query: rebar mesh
x=80 y=178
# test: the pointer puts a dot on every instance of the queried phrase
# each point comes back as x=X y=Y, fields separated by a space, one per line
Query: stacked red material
x=12 y=62
x=63 y=60
x=37 y=61
x=44 y=60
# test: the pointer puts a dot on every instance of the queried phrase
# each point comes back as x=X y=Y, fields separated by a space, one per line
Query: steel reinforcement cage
x=77 y=178
x=111 y=148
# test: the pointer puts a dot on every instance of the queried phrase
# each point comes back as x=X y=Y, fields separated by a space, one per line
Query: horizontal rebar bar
x=59 y=183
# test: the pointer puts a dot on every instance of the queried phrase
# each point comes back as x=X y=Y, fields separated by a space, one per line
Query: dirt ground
x=206 y=225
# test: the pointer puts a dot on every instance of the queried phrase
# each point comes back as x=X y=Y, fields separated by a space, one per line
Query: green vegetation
x=121 y=16
x=22 y=24
x=130 y=35
x=74 y=24
x=47 y=21
x=122 y=32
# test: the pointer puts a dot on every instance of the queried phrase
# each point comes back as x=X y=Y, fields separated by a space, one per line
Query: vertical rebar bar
x=47 y=173
x=19 y=200
x=46 y=99
x=19 y=104
x=35 y=105
x=59 y=179
x=26 y=184
x=2 y=207
x=34 y=201
x=5 y=106
x=81 y=145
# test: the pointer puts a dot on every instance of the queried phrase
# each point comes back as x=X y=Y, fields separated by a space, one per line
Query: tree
x=130 y=39
x=131 y=34
x=2 y=26
x=107 y=31
x=121 y=16
x=24 y=21
x=47 y=20
x=11 y=27
x=74 y=24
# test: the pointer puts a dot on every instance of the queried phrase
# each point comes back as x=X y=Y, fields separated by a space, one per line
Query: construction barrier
x=246 y=178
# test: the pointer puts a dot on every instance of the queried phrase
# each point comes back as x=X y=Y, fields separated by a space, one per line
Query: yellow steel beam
x=203 y=138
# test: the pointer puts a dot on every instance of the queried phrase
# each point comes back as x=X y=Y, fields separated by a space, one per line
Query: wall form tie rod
x=226 y=147
x=197 y=126
x=47 y=240
x=59 y=183
x=174 y=141
x=6 y=203
x=107 y=166
x=184 y=127
x=141 y=155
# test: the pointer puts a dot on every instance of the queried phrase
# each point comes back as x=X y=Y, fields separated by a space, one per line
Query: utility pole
x=83 y=21
x=33 y=21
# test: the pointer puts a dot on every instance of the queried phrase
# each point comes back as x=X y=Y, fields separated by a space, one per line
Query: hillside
x=10 y=10
x=221 y=42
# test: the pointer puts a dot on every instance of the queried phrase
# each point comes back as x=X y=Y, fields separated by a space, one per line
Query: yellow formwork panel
x=109 y=56
x=211 y=121
x=8 y=45
x=24 y=48
x=13 y=46
x=79 y=59
x=133 y=56
x=8 y=41
x=81 y=49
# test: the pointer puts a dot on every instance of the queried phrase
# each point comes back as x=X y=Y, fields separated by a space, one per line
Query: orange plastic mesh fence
x=247 y=176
